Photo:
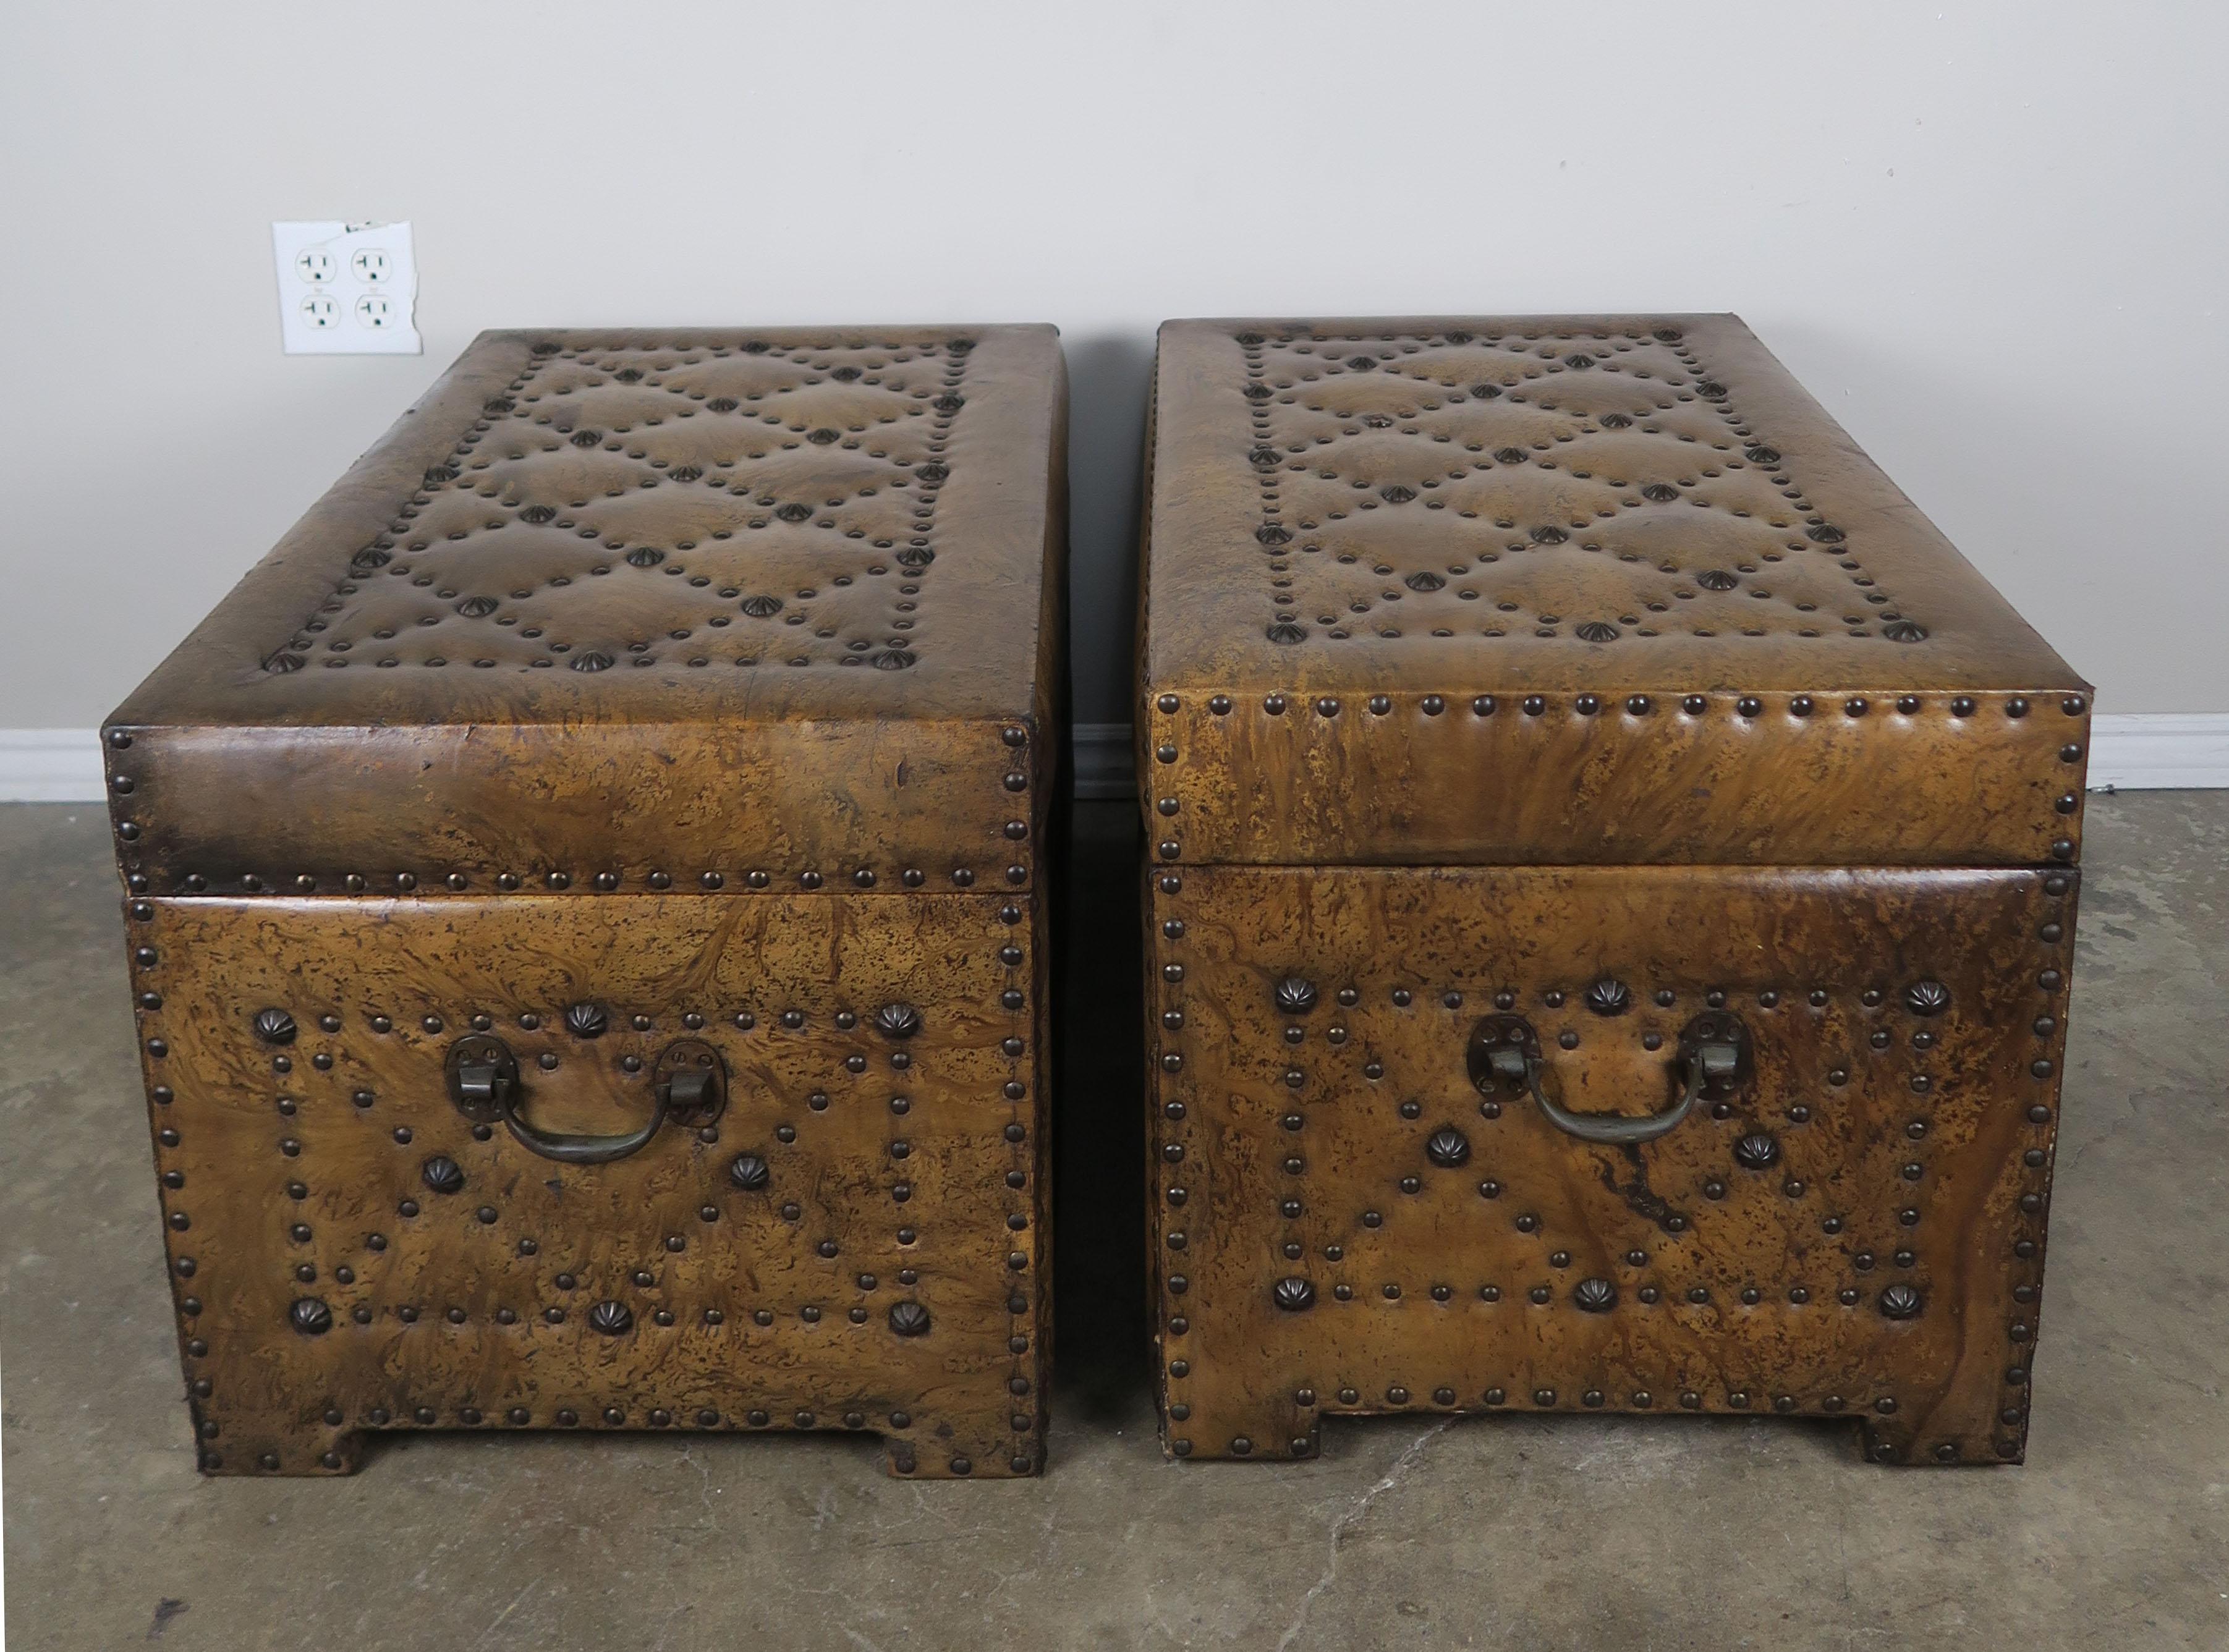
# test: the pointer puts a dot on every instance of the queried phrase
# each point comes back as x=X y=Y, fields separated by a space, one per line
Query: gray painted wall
x=1988 y=237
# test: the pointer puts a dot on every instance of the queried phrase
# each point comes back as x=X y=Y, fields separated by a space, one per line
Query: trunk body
x=587 y=896
x=1611 y=878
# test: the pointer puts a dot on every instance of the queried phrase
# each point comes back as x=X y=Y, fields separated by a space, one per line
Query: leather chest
x=587 y=892
x=1611 y=883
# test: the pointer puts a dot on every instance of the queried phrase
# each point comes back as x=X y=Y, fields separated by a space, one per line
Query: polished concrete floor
x=1569 y=1532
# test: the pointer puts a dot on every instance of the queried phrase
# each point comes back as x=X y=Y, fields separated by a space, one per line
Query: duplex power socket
x=346 y=289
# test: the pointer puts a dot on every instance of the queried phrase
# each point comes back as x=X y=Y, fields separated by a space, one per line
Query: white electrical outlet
x=346 y=289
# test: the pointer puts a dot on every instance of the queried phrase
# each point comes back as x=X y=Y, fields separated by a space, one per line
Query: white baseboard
x=2162 y=750
x=50 y=765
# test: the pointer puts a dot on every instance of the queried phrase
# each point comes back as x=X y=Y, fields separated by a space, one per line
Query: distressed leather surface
x=1856 y=1229
x=1588 y=589
x=857 y=1240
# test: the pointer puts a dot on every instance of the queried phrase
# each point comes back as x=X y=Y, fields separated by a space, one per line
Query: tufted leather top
x=746 y=506
x=817 y=568
x=1567 y=588
x=1551 y=502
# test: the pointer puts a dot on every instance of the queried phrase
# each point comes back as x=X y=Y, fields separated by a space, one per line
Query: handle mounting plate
x=481 y=1072
x=695 y=1080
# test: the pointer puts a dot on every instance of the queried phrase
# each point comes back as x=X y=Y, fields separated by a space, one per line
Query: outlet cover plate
x=346 y=289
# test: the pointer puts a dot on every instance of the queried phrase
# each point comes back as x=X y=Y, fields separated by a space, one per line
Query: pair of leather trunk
x=1610 y=884
x=1611 y=890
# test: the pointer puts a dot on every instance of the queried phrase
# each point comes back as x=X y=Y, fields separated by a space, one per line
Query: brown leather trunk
x=1611 y=888
x=587 y=902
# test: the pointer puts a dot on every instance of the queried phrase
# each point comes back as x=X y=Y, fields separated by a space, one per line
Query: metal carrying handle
x=579 y=1149
x=689 y=1085
x=1713 y=1050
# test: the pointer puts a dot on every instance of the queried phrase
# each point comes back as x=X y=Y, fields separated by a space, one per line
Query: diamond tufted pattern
x=1457 y=483
x=1606 y=503
x=743 y=503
